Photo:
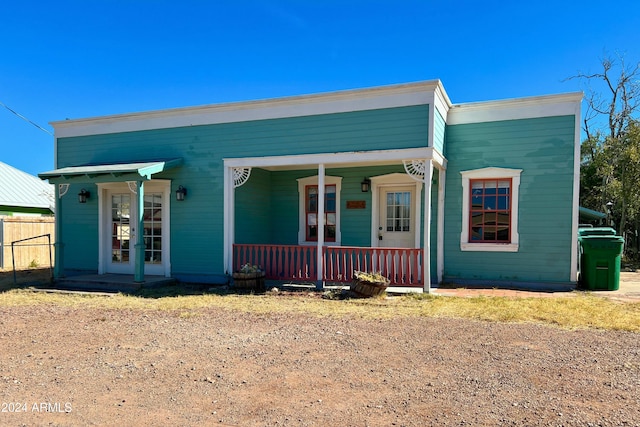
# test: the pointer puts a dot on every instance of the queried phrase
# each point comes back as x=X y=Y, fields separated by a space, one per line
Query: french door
x=120 y=229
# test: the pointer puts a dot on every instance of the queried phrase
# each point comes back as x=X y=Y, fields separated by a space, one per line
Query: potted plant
x=249 y=277
x=368 y=284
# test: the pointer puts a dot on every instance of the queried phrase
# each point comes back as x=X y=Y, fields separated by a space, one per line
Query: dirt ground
x=73 y=366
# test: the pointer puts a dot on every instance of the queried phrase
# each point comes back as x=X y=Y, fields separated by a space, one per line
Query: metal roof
x=590 y=214
x=112 y=172
x=19 y=189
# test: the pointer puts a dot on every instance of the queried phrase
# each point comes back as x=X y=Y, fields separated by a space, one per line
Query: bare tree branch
x=622 y=98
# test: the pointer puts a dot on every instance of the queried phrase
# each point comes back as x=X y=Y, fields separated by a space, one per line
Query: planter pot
x=366 y=289
x=249 y=281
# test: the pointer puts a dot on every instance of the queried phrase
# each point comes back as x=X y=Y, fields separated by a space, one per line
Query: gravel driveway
x=73 y=366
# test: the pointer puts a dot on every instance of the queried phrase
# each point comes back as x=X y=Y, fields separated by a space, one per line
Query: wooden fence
x=31 y=253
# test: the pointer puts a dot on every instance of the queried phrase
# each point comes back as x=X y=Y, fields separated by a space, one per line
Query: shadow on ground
x=24 y=278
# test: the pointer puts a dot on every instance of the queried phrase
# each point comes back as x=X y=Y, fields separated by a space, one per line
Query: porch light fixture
x=83 y=195
x=365 y=185
x=181 y=192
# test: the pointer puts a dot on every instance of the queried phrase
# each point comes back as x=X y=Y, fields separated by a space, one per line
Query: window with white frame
x=490 y=210
x=308 y=217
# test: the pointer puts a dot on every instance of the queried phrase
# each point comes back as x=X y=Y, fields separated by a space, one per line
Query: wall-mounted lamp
x=83 y=195
x=181 y=192
x=365 y=185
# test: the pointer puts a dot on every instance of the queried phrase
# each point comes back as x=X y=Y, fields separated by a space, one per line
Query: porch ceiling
x=118 y=172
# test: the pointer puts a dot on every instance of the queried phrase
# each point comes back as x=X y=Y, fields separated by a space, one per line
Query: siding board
x=544 y=149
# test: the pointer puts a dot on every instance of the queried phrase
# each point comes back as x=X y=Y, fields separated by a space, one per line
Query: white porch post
x=139 y=245
x=320 y=225
x=426 y=259
x=442 y=175
x=228 y=219
x=58 y=246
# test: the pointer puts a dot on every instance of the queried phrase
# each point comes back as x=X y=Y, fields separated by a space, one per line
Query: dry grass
x=581 y=311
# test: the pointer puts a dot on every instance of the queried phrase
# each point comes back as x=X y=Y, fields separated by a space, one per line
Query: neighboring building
x=405 y=181
x=23 y=194
x=26 y=210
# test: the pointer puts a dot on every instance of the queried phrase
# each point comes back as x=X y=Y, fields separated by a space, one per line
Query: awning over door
x=114 y=172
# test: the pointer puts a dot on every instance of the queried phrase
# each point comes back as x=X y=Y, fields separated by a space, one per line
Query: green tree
x=610 y=155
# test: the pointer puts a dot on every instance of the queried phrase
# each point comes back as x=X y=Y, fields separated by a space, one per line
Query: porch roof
x=339 y=159
x=110 y=172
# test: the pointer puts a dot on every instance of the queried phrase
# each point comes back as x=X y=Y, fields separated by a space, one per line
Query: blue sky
x=76 y=59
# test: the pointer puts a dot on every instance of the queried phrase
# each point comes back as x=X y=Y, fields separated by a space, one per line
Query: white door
x=120 y=229
x=397 y=228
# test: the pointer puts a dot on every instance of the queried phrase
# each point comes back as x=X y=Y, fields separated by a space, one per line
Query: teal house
x=396 y=179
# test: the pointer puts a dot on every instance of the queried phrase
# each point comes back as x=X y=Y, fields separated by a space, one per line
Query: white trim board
x=513 y=109
x=402 y=95
x=430 y=93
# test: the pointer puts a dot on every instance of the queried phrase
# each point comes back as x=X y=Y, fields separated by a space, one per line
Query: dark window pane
x=503 y=219
x=503 y=234
x=503 y=202
x=476 y=233
x=476 y=202
x=490 y=218
x=330 y=205
x=330 y=232
x=489 y=203
x=331 y=219
x=476 y=218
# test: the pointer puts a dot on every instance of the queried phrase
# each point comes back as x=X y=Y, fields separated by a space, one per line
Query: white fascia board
x=335 y=159
x=514 y=109
x=402 y=95
x=441 y=101
x=576 y=200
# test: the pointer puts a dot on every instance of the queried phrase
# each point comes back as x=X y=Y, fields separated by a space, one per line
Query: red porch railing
x=280 y=262
x=402 y=266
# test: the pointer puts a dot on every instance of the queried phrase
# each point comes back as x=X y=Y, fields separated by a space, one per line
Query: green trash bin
x=600 y=262
x=596 y=231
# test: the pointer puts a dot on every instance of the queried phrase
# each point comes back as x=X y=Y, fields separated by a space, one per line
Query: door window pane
x=330 y=208
x=120 y=227
x=153 y=228
x=398 y=211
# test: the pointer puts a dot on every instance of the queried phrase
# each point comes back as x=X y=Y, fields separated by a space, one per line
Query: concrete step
x=110 y=283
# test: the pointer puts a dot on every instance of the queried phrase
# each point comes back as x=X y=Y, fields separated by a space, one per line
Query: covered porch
x=122 y=198
x=346 y=230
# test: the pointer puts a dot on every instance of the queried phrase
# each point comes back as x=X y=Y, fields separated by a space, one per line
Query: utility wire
x=26 y=119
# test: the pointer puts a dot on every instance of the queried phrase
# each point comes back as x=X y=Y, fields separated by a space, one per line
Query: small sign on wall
x=356 y=204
